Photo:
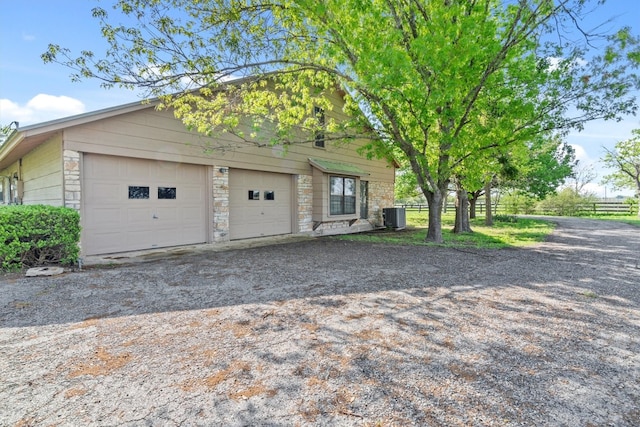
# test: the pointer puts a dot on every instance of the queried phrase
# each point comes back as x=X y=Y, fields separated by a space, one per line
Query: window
x=136 y=192
x=254 y=194
x=319 y=138
x=166 y=193
x=269 y=195
x=343 y=196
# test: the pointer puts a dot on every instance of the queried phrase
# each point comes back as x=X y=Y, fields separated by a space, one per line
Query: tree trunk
x=434 y=232
x=462 y=224
x=473 y=200
x=472 y=207
x=488 y=219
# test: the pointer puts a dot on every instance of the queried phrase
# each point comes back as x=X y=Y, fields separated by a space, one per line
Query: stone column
x=71 y=173
x=304 y=186
x=220 y=204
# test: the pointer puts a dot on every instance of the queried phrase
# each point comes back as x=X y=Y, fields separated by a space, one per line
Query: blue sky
x=32 y=92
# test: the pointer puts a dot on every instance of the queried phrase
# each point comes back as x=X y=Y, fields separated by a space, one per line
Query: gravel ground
x=327 y=332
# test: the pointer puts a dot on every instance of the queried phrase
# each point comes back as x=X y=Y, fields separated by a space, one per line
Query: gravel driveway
x=327 y=332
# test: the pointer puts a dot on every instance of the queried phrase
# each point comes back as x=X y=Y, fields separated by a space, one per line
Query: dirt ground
x=328 y=332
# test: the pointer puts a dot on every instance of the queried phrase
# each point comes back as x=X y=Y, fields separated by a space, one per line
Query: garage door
x=260 y=204
x=131 y=204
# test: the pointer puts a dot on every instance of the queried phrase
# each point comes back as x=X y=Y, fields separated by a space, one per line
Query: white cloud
x=40 y=108
x=59 y=104
x=28 y=37
x=581 y=154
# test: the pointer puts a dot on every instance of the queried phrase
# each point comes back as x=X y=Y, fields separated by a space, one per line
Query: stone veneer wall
x=220 y=204
x=381 y=195
x=304 y=186
x=71 y=173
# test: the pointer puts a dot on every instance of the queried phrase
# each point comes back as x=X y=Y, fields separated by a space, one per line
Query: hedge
x=35 y=235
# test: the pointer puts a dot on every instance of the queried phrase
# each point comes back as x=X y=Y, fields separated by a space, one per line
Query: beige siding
x=158 y=135
x=41 y=172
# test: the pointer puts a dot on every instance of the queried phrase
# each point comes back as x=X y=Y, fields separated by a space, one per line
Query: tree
x=439 y=83
x=6 y=130
x=406 y=187
x=548 y=163
x=581 y=176
x=535 y=171
x=625 y=160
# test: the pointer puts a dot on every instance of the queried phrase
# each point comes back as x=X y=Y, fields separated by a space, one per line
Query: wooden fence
x=599 y=207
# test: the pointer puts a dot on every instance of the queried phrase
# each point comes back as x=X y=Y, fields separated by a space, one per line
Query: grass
x=506 y=232
x=627 y=219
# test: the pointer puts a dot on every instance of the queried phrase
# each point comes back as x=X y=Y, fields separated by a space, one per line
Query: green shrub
x=515 y=203
x=33 y=235
x=567 y=202
x=633 y=205
x=505 y=218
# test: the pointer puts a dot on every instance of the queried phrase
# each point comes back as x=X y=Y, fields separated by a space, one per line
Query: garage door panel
x=139 y=216
x=107 y=192
x=193 y=212
x=106 y=216
x=114 y=223
x=109 y=242
x=137 y=169
x=259 y=217
x=107 y=168
x=189 y=235
x=188 y=175
x=166 y=214
x=137 y=240
x=190 y=194
x=167 y=169
x=167 y=237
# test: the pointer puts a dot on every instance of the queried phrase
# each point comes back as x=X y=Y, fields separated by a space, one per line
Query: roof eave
x=338 y=168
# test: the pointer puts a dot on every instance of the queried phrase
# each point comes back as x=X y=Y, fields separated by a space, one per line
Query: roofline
x=77 y=119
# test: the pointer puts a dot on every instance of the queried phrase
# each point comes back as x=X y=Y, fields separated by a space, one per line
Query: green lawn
x=507 y=232
x=628 y=219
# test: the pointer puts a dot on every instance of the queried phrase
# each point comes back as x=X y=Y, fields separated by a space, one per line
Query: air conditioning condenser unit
x=395 y=218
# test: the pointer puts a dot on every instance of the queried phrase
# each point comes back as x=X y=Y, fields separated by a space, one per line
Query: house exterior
x=141 y=180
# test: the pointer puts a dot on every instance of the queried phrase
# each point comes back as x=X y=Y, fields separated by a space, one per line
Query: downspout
x=19 y=184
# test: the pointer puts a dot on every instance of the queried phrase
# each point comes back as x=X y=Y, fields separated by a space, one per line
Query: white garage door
x=260 y=204
x=131 y=204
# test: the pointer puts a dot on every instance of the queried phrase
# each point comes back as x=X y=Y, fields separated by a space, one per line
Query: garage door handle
x=155 y=216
